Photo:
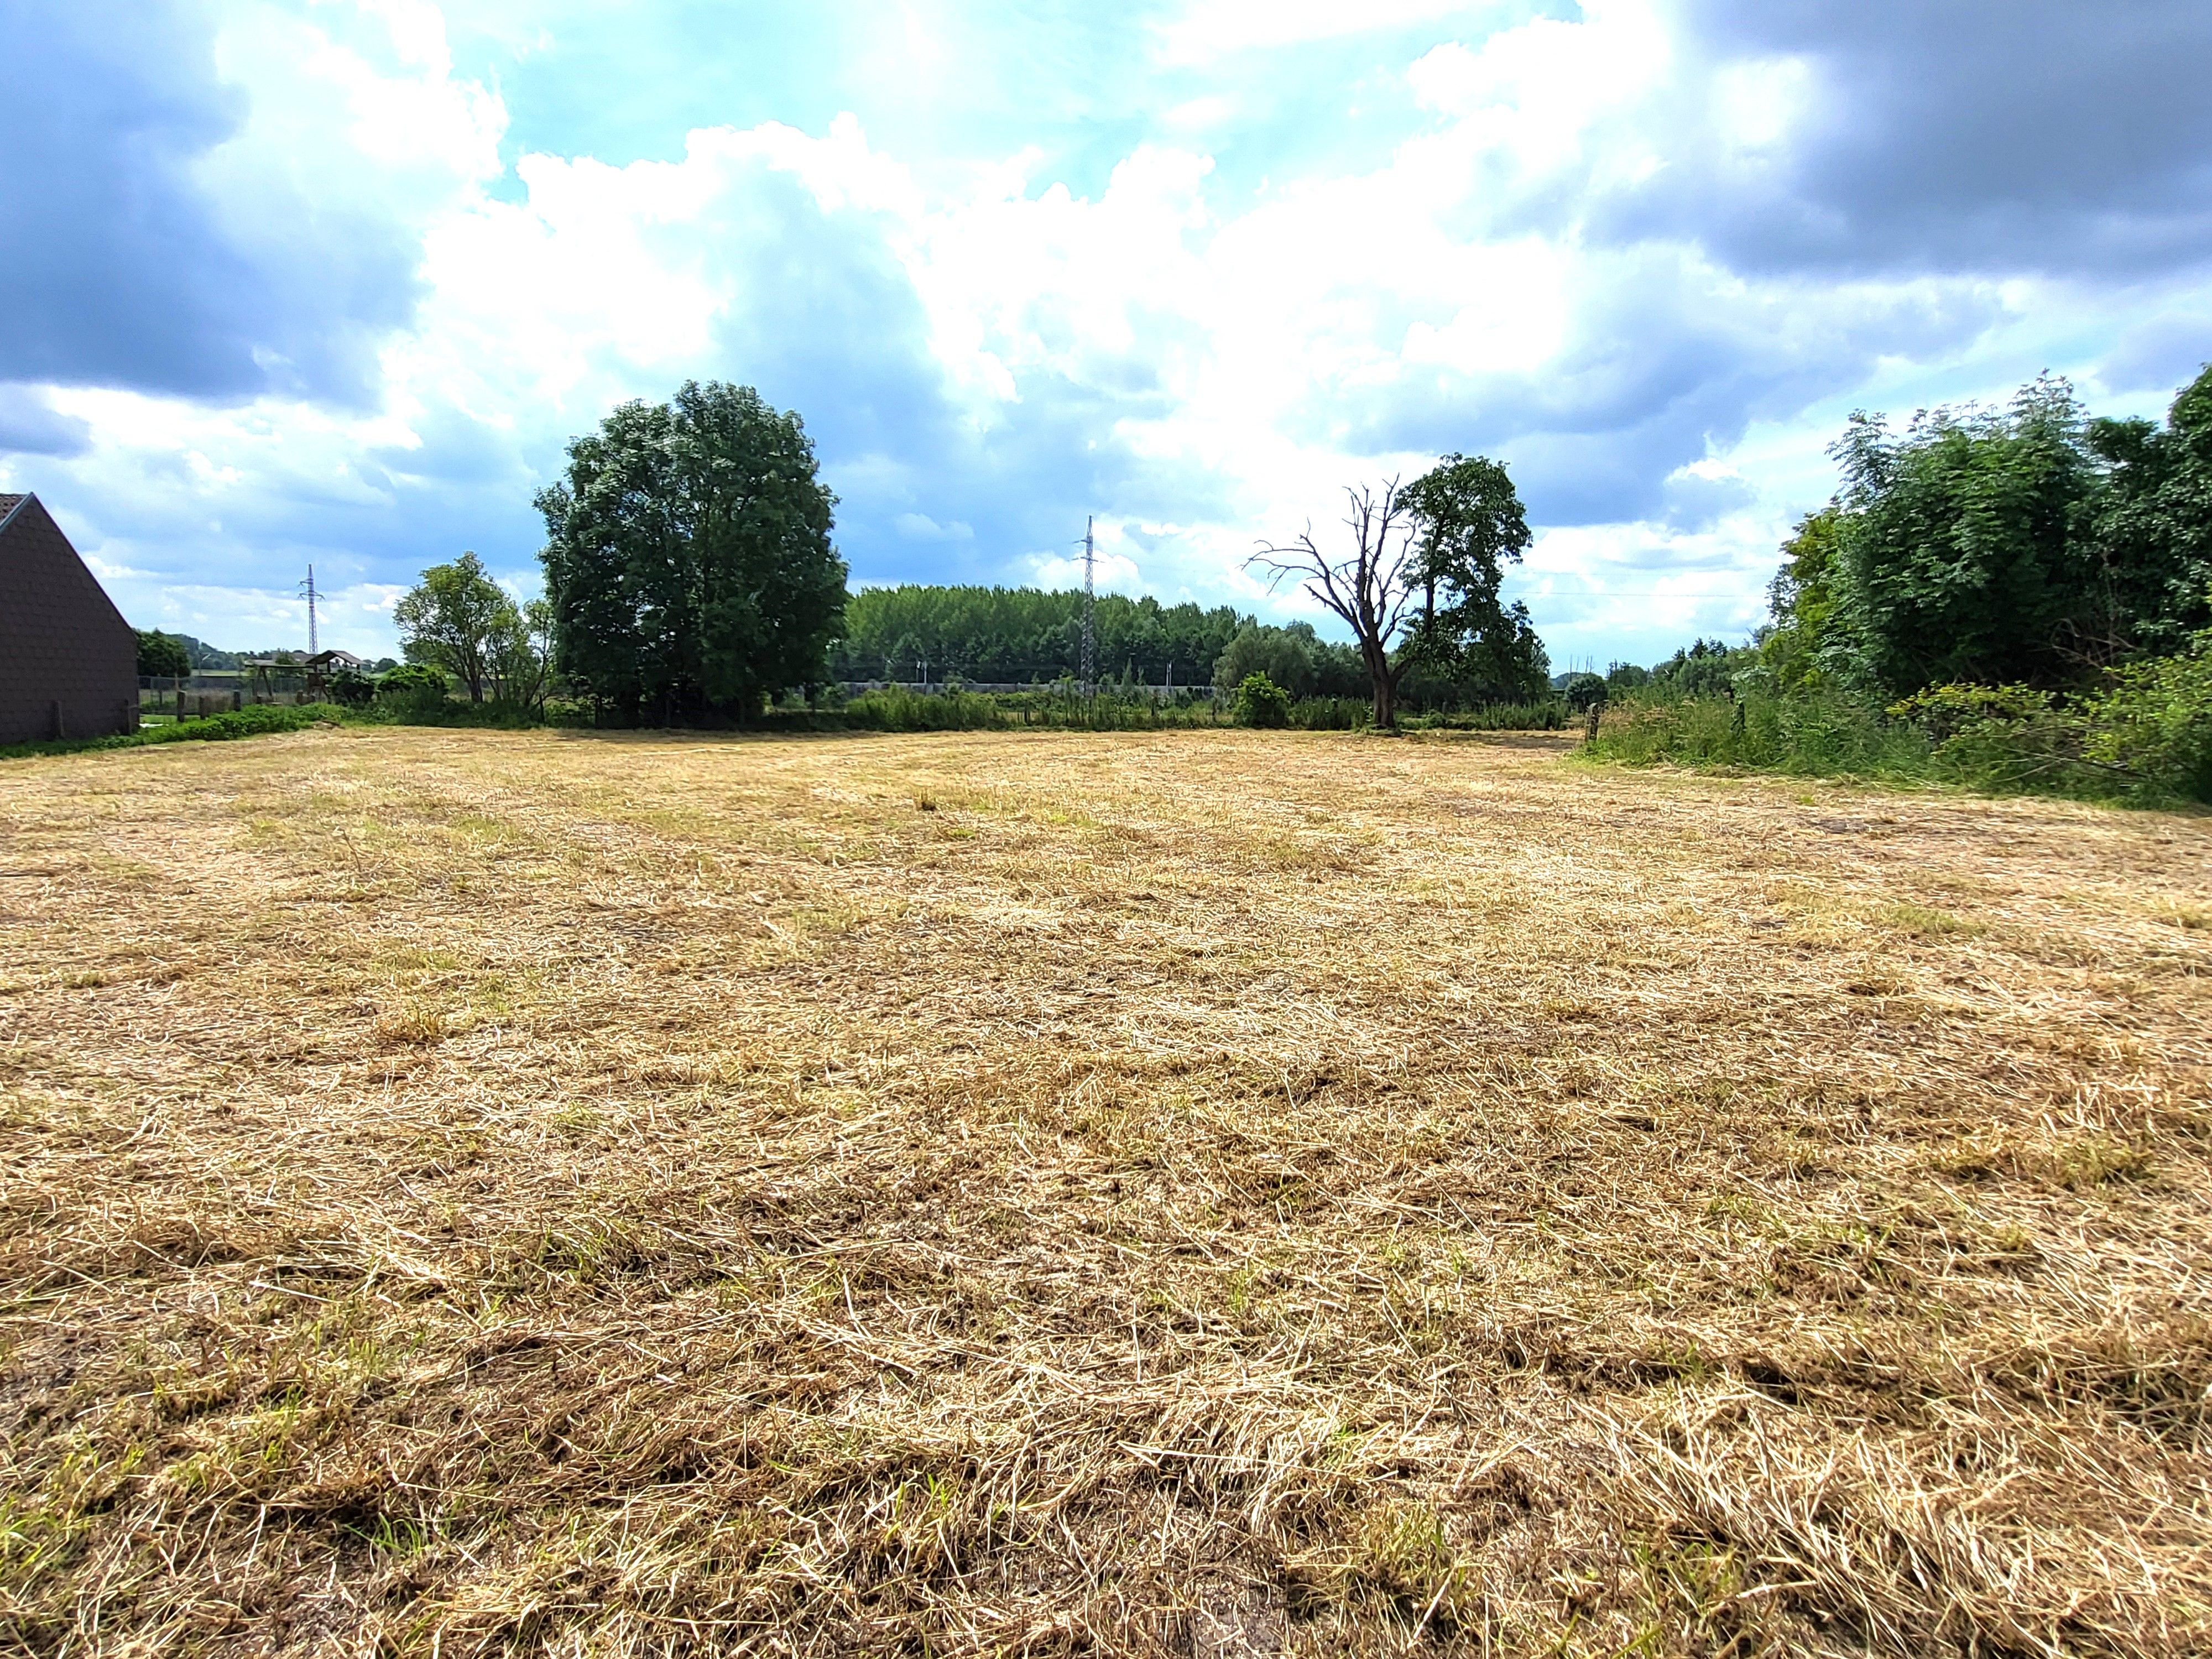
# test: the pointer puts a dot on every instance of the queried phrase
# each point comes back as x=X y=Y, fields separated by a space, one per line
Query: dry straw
x=1195 y=1194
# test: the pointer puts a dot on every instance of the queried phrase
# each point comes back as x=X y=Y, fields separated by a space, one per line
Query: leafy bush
x=255 y=720
x=350 y=689
x=1261 y=702
x=2156 y=722
x=1584 y=691
x=1945 y=711
x=2004 y=738
x=413 y=683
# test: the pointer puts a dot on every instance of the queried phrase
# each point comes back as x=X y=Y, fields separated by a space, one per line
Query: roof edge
x=21 y=502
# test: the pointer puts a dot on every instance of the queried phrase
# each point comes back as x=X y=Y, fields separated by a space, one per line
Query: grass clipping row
x=1196 y=1193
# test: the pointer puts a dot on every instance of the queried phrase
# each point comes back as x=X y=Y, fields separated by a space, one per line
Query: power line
x=1637 y=593
x=1090 y=605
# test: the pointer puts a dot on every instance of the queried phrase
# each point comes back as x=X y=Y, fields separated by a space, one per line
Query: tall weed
x=2146 y=741
x=1815 y=734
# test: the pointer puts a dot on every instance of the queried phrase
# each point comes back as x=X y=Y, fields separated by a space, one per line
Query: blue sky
x=334 y=281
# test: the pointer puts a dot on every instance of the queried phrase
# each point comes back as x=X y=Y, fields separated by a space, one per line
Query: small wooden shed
x=69 y=663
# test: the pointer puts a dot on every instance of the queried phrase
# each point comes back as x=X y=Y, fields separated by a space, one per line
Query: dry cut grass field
x=1200 y=1193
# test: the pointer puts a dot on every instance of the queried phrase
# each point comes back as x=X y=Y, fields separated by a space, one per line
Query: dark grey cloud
x=1695 y=501
x=2029 y=136
x=1671 y=362
x=30 y=425
x=116 y=265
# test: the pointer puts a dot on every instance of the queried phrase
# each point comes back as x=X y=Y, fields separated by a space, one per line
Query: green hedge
x=2144 y=740
x=255 y=720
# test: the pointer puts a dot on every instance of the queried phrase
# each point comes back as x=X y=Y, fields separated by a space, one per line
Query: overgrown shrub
x=445 y=711
x=895 y=710
x=1814 y=733
x=255 y=720
x=2156 y=722
x=1550 y=716
x=1332 y=714
x=413 y=684
x=350 y=689
x=1584 y=691
x=1261 y=702
x=2146 y=740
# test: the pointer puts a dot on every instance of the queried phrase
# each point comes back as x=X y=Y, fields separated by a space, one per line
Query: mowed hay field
x=1203 y=1192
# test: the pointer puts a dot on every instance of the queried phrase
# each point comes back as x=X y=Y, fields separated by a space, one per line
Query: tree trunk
x=1386 y=688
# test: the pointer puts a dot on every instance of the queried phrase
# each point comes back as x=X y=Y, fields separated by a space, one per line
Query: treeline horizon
x=912 y=632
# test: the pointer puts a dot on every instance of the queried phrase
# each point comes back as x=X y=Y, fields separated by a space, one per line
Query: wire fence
x=1063 y=687
x=196 y=696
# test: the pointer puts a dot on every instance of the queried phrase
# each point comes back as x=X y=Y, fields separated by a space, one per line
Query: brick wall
x=69 y=663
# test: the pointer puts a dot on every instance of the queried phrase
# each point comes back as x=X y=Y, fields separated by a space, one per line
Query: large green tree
x=1802 y=597
x=688 y=560
x=2153 y=528
x=455 y=618
x=521 y=656
x=1963 y=556
x=163 y=655
x=1470 y=524
x=2026 y=544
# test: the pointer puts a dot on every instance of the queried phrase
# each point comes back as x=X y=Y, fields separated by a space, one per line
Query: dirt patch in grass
x=1186 y=1194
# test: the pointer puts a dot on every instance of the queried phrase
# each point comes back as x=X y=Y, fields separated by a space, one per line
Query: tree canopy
x=1293 y=657
x=2029 y=544
x=1470 y=524
x=689 y=567
x=2154 y=521
x=163 y=655
x=1021 y=634
x=456 y=619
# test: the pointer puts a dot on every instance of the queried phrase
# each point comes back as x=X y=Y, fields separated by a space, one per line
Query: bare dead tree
x=1370 y=590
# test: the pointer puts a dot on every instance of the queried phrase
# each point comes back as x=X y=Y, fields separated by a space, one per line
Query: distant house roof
x=335 y=659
